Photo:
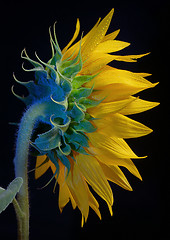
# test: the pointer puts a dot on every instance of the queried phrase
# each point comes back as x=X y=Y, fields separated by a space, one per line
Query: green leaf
x=7 y=196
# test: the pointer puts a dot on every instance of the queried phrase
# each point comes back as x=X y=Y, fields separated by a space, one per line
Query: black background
x=137 y=215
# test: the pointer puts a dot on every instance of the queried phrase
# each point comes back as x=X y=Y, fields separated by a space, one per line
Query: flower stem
x=20 y=215
x=21 y=163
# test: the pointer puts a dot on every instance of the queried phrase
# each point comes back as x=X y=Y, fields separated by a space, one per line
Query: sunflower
x=82 y=136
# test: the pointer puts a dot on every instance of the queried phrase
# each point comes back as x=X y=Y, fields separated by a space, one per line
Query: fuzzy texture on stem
x=21 y=163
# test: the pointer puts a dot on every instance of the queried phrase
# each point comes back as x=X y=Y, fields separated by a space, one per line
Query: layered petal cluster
x=82 y=137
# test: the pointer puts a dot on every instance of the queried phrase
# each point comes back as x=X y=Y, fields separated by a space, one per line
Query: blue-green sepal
x=84 y=126
x=64 y=160
x=48 y=140
x=73 y=136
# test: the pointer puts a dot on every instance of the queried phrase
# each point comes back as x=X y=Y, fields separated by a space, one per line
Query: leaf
x=7 y=196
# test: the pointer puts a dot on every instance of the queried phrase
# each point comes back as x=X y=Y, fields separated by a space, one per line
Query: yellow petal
x=111 y=46
x=75 y=48
x=74 y=36
x=121 y=126
x=73 y=203
x=111 y=36
x=138 y=106
x=78 y=189
x=94 y=175
x=93 y=203
x=114 y=174
x=111 y=107
x=117 y=147
x=41 y=169
x=64 y=194
x=128 y=58
x=95 y=62
x=92 y=42
x=53 y=167
x=108 y=158
x=110 y=75
x=115 y=92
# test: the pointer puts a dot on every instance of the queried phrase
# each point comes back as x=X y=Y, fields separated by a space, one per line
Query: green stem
x=20 y=215
x=21 y=163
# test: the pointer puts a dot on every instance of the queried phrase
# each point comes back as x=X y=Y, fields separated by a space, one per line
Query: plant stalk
x=21 y=164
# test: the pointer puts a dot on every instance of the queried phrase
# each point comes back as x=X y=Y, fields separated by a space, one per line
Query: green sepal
x=56 y=57
x=78 y=81
x=76 y=147
x=7 y=196
x=64 y=148
x=66 y=86
x=53 y=73
x=68 y=63
x=80 y=93
x=70 y=69
x=58 y=122
x=53 y=157
x=84 y=126
x=65 y=161
x=34 y=63
x=72 y=136
x=89 y=103
x=48 y=140
x=76 y=113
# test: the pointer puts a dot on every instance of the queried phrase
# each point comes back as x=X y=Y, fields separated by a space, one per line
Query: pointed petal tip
x=110 y=14
x=61 y=210
x=136 y=157
x=155 y=84
x=112 y=11
x=110 y=209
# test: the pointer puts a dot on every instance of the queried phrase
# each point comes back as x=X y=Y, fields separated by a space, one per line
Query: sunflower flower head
x=81 y=135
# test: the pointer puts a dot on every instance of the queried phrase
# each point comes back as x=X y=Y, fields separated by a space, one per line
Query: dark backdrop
x=137 y=215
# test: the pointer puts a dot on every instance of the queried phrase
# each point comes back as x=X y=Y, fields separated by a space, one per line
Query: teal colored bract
x=65 y=124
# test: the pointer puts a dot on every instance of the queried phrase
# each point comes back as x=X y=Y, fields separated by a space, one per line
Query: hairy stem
x=21 y=163
x=20 y=215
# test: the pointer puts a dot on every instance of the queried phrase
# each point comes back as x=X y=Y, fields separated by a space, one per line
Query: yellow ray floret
x=121 y=126
x=110 y=46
